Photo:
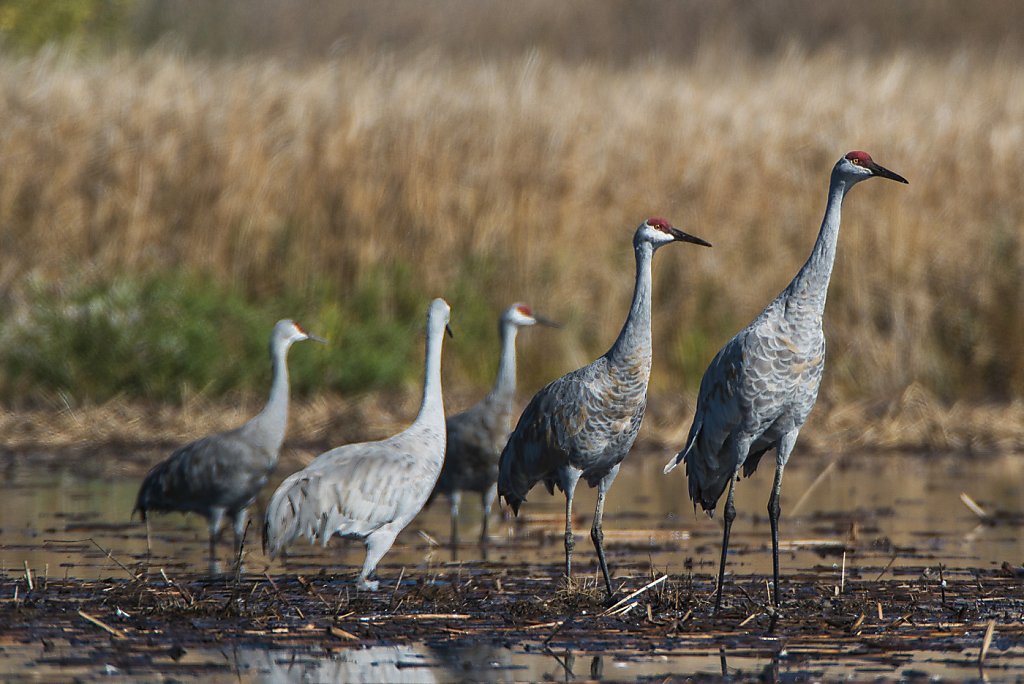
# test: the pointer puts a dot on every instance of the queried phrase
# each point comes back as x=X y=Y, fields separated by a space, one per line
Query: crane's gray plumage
x=372 y=490
x=477 y=435
x=221 y=474
x=584 y=423
x=762 y=385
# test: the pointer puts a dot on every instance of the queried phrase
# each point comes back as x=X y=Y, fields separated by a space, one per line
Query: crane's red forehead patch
x=299 y=328
x=659 y=223
x=525 y=310
x=862 y=157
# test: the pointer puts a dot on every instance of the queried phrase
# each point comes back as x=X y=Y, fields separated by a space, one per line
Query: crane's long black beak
x=686 y=237
x=448 y=329
x=547 y=321
x=316 y=338
x=878 y=170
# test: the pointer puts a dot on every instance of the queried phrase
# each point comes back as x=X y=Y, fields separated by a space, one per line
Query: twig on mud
x=107 y=553
x=341 y=633
x=842 y=576
x=177 y=587
x=28 y=577
x=311 y=589
x=282 y=596
x=899 y=621
x=748 y=619
x=856 y=625
x=986 y=641
x=398 y=584
x=559 y=628
x=116 y=633
x=241 y=550
x=887 y=566
x=622 y=604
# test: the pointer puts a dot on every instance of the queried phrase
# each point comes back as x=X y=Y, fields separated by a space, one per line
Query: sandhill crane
x=584 y=423
x=372 y=490
x=761 y=386
x=221 y=474
x=476 y=436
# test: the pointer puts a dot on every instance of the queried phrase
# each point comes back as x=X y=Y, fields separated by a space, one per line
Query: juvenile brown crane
x=762 y=385
x=584 y=423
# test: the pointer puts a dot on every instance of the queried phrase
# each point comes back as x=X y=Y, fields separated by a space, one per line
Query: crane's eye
x=856 y=161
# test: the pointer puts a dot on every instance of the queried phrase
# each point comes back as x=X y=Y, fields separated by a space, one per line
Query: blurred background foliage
x=175 y=176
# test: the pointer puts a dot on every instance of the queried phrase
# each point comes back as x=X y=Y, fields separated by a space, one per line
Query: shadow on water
x=846 y=524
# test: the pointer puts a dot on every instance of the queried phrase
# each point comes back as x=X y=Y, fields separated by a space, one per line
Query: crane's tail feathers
x=513 y=502
x=285 y=519
x=140 y=509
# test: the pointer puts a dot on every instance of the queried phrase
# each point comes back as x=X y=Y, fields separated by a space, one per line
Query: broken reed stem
x=116 y=633
x=105 y=552
x=184 y=593
x=398 y=585
x=748 y=619
x=281 y=596
x=842 y=576
x=887 y=566
x=241 y=551
x=619 y=604
x=986 y=641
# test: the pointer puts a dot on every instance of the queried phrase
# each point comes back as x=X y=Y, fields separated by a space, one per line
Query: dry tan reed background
x=521 y=176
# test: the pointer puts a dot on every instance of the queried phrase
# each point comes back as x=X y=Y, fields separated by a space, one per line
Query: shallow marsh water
x=66 y=518
x=872 y=506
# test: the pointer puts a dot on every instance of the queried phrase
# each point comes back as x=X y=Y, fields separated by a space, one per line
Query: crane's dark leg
x=569 y=481
x=488 y=503
x=782 y=452
x=596 y=533
x=728 y=517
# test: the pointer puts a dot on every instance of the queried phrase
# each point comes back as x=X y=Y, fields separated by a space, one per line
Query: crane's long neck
x=807 y=292
x=432 y=406
x=505 y=384
x=634 y=341
x=272 y=421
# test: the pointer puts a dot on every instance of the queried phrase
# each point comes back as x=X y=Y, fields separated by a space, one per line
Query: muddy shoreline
x=147 y=623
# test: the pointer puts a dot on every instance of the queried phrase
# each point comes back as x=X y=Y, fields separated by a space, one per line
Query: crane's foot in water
x=367 y=584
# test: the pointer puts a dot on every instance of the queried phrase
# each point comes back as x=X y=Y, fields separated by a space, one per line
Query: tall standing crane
x=372 y=490
x=221 y=474
x=584 y=423
x=477 y=435
x=762 y=385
